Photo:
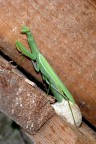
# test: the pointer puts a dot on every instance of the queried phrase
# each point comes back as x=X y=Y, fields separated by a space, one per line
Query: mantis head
x=25 y=29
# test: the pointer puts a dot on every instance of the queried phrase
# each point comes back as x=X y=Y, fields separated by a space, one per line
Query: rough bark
x=22 y=102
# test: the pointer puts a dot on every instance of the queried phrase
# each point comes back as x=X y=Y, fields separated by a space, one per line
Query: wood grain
x=25 y=103
x=56 y=131
x=65 y=32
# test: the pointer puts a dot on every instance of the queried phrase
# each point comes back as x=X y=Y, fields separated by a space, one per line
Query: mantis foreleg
x=24 y=51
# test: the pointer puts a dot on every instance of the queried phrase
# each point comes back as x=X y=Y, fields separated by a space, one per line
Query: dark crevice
x=14 y=125
x=89 y=124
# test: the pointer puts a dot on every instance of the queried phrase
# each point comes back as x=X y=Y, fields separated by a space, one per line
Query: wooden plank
x=56 y=131
x=28 y=106
x=66 y=34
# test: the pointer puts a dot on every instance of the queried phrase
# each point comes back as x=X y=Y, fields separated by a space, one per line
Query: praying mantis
x=57 y=87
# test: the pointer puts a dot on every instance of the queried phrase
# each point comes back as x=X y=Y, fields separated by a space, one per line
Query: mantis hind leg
x=49 y=87
x=36 y=65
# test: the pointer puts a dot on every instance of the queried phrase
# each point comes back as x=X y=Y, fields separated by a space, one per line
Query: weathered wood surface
x=55 y=131
x=26 y=104
x=65 y=32
x=17 y=101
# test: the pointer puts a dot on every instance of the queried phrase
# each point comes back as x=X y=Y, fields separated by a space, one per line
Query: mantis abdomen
x=54 y=81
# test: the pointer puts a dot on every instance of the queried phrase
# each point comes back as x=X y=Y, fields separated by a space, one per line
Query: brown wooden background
x=65 y=32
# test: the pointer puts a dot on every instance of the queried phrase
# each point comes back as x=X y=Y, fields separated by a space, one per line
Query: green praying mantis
x=40 y=64
x=57 y=87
